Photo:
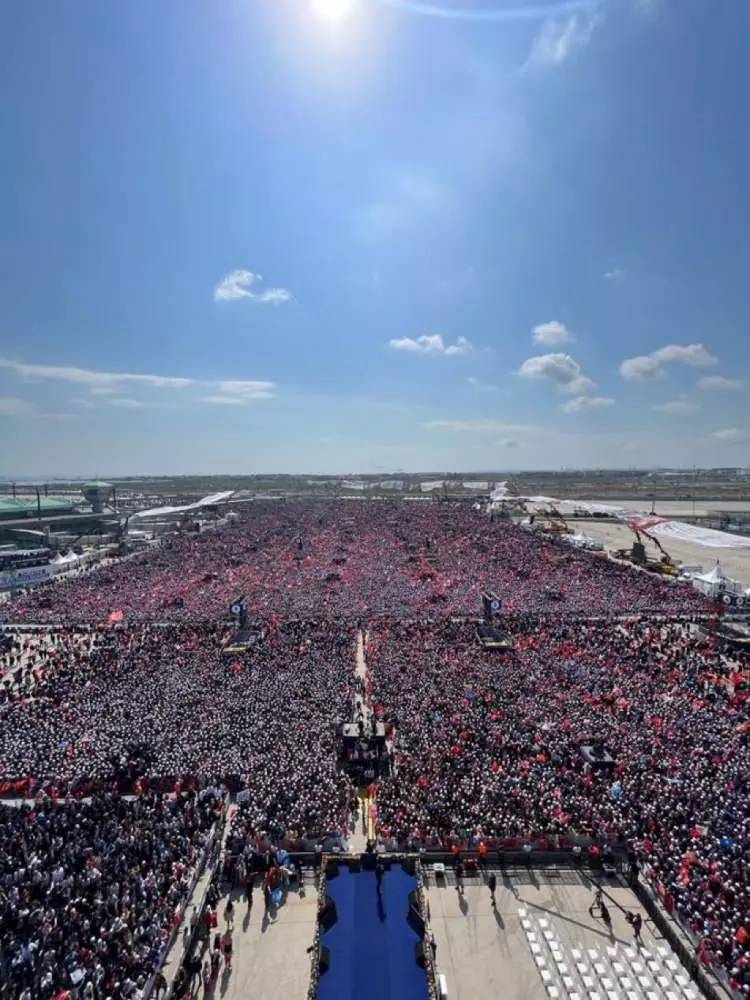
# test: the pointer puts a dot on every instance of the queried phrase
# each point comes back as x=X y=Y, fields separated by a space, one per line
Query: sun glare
x=332 y=10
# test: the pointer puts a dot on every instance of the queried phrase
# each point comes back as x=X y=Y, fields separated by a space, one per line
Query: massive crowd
x=153 y=703
x=489 y=747
x=130 y=691
x=353 y=559
x=89 y=890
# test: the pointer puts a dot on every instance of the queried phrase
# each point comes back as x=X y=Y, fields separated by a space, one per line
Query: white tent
x=716 y=582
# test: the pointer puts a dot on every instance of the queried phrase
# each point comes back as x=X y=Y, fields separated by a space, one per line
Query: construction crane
x=639 y=557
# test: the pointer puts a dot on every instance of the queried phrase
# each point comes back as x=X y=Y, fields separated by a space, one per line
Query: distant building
x=16 y=507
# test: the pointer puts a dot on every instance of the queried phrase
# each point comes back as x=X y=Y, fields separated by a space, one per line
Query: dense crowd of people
x=89 y=890
x=128 y=690
x=492 y=747
x=156 y=702
x=352 y=559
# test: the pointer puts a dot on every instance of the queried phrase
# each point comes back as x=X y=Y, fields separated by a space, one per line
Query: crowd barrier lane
x=427 y=939
x=713 y=983
x=210 y=857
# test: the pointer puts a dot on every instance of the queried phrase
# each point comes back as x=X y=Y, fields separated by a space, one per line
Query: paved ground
x=734 y=562
x=485 y=954
x=270 y=953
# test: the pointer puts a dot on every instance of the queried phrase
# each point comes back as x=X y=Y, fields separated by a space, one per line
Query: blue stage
x=372 y=946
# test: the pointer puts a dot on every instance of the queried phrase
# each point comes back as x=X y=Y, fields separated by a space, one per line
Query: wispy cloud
x=432 y=344
x=652 y=367
x=559 y=368
x=676 y=407
x=109 y=384
x=583 y=403
x=239 y=393
x=96 y=380
x=615 y=274
x=224 y=400
x=731 y=435
x=719 y=383
x=479 y=385
x=126 y=403
x=241 y=284
x=559 y=38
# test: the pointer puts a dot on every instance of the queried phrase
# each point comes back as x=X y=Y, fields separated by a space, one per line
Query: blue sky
x=358 y=236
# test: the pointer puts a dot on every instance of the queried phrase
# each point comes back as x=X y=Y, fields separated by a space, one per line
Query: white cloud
x=85 y=404
x=694 y=355
x=719 y=383
x=552 y=333
x=559 y=368
x=508 y=443
x=650 y=367
x=582 y=403
x=86 y=376
x=676 y=406
x=125 y=403
x=240 y=284
x=615 y=274
x=642 y=369
x=102 y=390
x=462 y=346
x=12 y=406
x=558 y=39
x=431 y=344
x=731 y=435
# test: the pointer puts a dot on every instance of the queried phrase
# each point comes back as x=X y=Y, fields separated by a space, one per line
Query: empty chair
x=553 y=991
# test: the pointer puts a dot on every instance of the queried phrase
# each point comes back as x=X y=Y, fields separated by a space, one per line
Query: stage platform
x=492 y=637
x=372 y=947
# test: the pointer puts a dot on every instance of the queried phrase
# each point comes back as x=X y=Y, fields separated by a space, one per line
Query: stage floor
x=371 y=944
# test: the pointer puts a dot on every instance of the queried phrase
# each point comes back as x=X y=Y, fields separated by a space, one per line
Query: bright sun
x=332 y=10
